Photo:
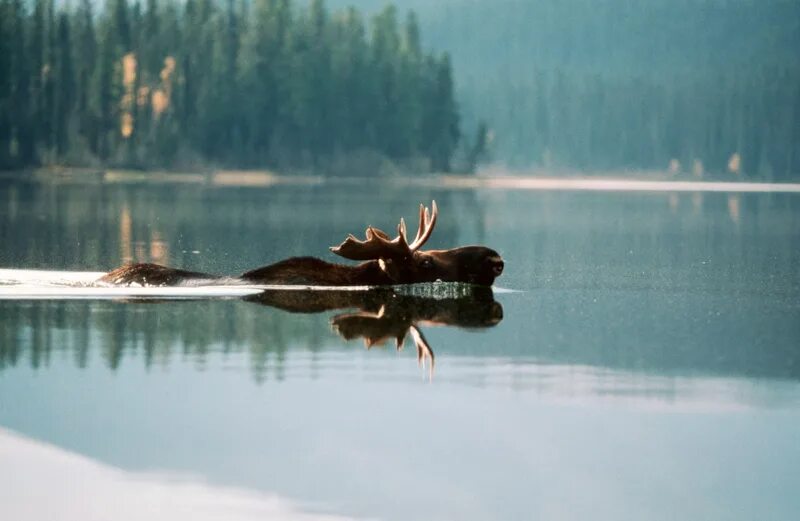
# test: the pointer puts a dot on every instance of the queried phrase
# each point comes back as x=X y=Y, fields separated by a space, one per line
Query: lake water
x=646 y=364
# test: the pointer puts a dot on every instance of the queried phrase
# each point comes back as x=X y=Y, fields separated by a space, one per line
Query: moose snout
x=496 y=264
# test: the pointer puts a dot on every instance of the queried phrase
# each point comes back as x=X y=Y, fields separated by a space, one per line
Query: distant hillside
x=607 y=36
x=614 y=36
x=598 y=84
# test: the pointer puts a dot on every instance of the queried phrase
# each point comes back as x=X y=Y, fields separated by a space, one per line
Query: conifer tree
x=84 y=59
x=64 y=85
x=6 y=37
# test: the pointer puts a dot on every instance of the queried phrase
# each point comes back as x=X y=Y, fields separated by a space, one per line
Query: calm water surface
x=647 y=364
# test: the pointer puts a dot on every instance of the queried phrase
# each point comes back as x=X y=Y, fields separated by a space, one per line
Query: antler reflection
x=424 y=350
x=377 y=328
x=384 y=315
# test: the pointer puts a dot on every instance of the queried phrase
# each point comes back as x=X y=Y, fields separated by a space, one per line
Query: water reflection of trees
x=154 y=332
x=96 y=226
x=266 y=327
x=620 y=330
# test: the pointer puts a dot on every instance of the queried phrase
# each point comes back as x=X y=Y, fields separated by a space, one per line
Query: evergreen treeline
x=632 y=84
x=745 y=124
x=166 y=83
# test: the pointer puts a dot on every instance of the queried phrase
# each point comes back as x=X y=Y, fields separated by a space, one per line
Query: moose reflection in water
x=381 y=315
x=387 y=262
x=156 y=331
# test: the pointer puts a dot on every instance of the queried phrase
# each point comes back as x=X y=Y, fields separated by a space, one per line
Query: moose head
x=406 y=263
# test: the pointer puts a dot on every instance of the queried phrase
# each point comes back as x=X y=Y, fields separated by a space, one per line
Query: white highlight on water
x=616 y=185
x=39 y=284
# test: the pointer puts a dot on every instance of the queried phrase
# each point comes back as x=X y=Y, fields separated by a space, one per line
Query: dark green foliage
x=165 y=83
x=64 y=83
x=563 y=84
x=7 y=31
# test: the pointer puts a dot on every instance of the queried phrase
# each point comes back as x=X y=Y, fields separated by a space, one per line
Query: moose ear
x=391 y=268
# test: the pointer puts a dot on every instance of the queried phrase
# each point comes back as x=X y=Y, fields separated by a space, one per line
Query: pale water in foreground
x=647 y=364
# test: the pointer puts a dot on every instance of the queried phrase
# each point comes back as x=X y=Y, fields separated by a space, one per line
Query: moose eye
x=426 y=263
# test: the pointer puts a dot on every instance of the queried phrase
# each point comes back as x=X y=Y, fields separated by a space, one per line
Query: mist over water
x=645 y=365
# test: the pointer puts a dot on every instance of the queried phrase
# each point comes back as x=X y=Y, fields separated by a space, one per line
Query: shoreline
x=641 y=181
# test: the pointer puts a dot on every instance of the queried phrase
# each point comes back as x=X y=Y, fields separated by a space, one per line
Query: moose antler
x=426 y=223
x=378 y=244
x=377 y=328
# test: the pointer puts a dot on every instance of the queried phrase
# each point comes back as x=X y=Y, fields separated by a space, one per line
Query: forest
x=174 y=84
x=691 y=87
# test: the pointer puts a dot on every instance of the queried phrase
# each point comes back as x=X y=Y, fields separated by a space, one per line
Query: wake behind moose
x=386 y=262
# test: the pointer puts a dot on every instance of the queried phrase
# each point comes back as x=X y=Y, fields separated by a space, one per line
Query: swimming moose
x=386 y=262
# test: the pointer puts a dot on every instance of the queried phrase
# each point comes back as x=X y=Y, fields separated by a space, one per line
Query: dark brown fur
x=387 y=262
x=472 y=264
x=145 y=274
x=317 y=272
